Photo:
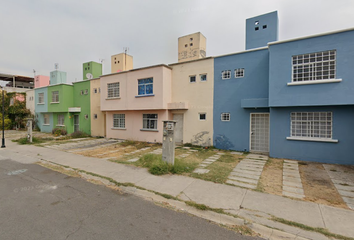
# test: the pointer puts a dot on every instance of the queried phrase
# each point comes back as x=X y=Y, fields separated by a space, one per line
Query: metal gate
x=76 y=123
x=259 y=132
x=178 y=128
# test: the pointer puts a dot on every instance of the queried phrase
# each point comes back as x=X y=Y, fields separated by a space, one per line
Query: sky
x=36 y=34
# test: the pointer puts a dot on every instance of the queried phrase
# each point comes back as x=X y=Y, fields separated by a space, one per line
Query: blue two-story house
x=311 y=98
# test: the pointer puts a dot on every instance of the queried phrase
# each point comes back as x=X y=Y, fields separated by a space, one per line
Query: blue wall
x=45 y=128
x=341 y=93
x=325 y=152
x=262 y=36
x=229 y=93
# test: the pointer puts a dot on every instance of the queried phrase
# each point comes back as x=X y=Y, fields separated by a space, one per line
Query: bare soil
x=272 y=176
x=318 y=186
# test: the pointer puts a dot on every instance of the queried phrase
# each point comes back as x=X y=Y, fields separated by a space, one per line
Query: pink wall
x=128 y=82
x=134 y=124
x=41 y=81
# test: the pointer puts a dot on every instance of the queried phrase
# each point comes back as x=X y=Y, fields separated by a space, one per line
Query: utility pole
x=3 y=119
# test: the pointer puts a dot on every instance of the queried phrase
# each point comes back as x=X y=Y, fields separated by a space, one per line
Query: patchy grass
x=136 y=144
x=313 y=229
x=204 y=207
x=35 y=140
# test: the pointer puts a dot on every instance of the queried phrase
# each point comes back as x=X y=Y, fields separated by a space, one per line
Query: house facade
x=311 y=98
x=135 y=103
x=98 y=118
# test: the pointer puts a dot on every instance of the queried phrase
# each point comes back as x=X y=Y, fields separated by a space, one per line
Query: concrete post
x=168 y=143
x=29 y=129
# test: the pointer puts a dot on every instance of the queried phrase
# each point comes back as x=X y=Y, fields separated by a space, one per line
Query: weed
x=333 y=170
x=59 y=131
x=197 y=205
x=313 y=229
x=159 y=168
x=303 y=163
x=79 y=134
x=344 y=184
x=167 y=196
x=35 y=140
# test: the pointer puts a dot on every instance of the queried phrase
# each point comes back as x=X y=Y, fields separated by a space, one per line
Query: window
x=46 y=119
x=81 y=92
x=239 y=73
x=86 y=92
x=86 y=116
x=226 y=74
x=191 y=44
x=113 y=90
x=202 y=116
x=145 y=86
x=118 y=120
x=55 y=96
x=203 y=77
x=149 y=121
x=95 y=90
x=95 y=116
x=314 y=66
x=192 y=79
x=41 y=98
x=186 y=45
x=225 y=117
x=60 y=120
x=311 y=125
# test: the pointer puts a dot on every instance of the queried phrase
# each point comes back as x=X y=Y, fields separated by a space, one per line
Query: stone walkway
x=292 y=186
x=201 y=168
x=248 y=171
x=343 y=181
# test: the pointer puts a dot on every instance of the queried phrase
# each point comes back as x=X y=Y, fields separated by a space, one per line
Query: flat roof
x=137 y=69
x=18 y=78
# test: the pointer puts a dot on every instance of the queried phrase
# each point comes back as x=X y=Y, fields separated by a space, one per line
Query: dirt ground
x=272 y=176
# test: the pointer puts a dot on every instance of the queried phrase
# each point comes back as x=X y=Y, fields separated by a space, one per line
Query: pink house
x=136 y=102
x=41 y=81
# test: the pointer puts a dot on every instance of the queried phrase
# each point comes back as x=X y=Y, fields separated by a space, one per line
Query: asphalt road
x=38 y=203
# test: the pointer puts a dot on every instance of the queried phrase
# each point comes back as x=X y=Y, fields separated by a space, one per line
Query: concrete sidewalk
x=254 y=206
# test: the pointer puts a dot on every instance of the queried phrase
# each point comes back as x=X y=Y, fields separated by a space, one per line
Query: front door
x=76 y=123
x=259 y=132
x=178 y=128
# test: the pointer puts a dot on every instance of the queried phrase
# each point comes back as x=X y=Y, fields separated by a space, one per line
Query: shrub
x=160 y=168
x=79 y=134
x=59 y=131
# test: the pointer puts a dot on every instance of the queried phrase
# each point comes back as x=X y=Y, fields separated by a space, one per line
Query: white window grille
x=55 y=96
x=226 y=74
x=311 y=124
x=60 y=120
x=40 y=97
x=46 y=119
x=192 y=79
x=113 y=90
x=118 y=120
x=149 y=121
x=239 y=72
x=225 y=117
x=203 y=77
x=314 y=66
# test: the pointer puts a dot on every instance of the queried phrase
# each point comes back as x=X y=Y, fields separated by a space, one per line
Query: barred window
x=145 y=86
x=192 y=79
x=239 y=73
x=113 y=90
x=203 y=77
x=225 y=117
x=119 y=120
x=149 y=121
x=311 y=124
x=55 y=96
x=314 y=66
x=46 y=119
x=60 y=120
x=40 y=97
x=226 y=74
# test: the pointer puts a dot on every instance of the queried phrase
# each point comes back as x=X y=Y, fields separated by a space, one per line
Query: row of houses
x=291 y=99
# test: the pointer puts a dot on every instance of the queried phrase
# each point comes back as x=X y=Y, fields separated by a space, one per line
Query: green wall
x=92 y=67
x=83 y=101
x=68 y=121
x=65 y=98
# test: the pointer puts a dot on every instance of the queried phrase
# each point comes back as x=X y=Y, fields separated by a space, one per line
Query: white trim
x=54 y=102
x=313 y=139
x=46 y=124
x=314 y=82
x=40 y=103
x=312 y=36
x=112 y=98
x=60 y=125
x=115 y=128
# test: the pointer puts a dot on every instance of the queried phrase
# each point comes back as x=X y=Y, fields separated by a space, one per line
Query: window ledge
x=314 y=82
x=60 y=125
x=149 y=130
x=112 y=98
x=146 y=95
x=40 y=103
x=54 y=102
x=114 y=128
x=313 y=139
x=46 y=124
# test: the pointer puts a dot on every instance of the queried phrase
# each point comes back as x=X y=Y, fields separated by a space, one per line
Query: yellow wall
x=121 y=62
x=97 y=125
x=199 y=99
x=191 y=47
